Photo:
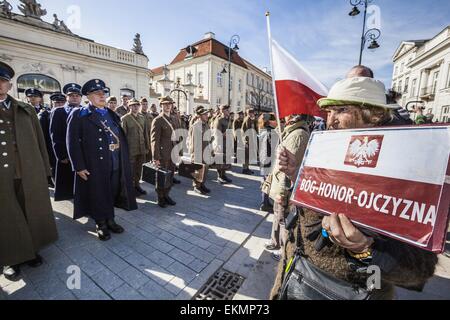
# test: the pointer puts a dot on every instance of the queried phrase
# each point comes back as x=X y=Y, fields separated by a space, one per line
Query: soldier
x=27 y=224
x=220 y=125
x=98 y=151
x=112 y=103
x=136 y=130
x=249 y=127
x=153 y=111
x=64 y=176
x=162 y=134
x=34 y=97
x=198 y=146
x=149 y=120
x=123 y=109
x=237 y=129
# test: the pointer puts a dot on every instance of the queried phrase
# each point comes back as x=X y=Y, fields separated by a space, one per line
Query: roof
x=414 y=43
x=157 y=71
x=255 y=67
x=210 y=46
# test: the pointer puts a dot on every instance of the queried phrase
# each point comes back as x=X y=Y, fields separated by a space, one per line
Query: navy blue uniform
x=44 y=120
x=64 y=175
x=109 y=184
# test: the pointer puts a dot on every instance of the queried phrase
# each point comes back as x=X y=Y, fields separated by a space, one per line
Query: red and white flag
x=297 y=90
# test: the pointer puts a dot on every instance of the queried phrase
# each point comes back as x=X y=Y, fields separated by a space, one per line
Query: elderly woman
x=337 y=251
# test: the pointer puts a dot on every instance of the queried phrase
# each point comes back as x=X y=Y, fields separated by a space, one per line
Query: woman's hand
x=343 y=233
x=287 y=163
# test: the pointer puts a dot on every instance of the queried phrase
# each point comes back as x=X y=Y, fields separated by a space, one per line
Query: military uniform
x=197 y=146
x=137 y=133
x=250 y=140
x=237 y=132
x=220 y=126
x=32 y=92
x=96 y=143
x=162 y=145
x=44 y=120
x=122 y=111
x=27 y=224
x=64 y=175
x=148 y=120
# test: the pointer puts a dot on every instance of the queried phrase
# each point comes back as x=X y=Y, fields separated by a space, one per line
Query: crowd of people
x=93 y=154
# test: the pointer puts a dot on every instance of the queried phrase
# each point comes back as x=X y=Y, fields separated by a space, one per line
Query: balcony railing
x=428 y=93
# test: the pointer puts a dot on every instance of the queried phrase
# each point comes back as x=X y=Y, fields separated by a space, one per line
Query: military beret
x=72 y=88
x=94 y=85
x=112 y=98
x=133 y=102
x=32 y=92
x=224 y=107
x=144 y=100
x=58 y=97
x=200 y=110
x=166 y=100
x=6 y=72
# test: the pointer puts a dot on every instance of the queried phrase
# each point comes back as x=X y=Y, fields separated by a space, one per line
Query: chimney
x=209 y=35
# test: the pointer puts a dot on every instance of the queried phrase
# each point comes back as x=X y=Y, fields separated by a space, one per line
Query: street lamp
x=372 y=34
x=234 y=41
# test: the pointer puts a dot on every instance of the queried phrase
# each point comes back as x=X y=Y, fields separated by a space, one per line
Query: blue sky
x=319 y=33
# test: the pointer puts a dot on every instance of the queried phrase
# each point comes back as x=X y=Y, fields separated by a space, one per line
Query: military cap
x=111 y=98
x=224 y=107
x=144 y=100
x=32 y=92
x=6 y=72
x=58 y=97
x=133 y=102
x=72 y=88
x=200 y=110
x=250 y=110
x=166 y=100
x=94 y=85
x=239 y=111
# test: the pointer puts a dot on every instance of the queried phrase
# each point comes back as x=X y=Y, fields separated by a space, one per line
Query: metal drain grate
x=223 y=285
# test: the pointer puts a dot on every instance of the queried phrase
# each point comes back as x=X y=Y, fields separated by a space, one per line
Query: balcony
x=428 y=93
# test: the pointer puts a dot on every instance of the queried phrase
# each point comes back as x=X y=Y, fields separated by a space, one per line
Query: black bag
x=307 y=282
x=196 y=171
x=160 y=178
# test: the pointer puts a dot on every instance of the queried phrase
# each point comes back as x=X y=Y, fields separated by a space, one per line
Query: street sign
x=393 y=181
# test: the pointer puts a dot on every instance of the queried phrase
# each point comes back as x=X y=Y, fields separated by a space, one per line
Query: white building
x=48 y=56
x=422 y=75
x=199 y=69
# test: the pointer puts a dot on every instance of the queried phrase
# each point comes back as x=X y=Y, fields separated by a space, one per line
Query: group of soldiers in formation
x=91 y=153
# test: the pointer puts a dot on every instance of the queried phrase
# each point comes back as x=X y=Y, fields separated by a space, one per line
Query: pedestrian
x=137 y=132
x=35 y=99
x=162 y=143
x=148 y=120
x=64 y=175
x=237 y=130
x=249 y=127
x=153 y=111
x=332 y=246
x=98 y=152
x=198 y=143
x=27 y=224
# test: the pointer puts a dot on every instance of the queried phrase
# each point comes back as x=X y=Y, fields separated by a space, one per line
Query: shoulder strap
x=138 y=124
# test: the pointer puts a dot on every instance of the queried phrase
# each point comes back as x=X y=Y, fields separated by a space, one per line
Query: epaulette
x=84 y=111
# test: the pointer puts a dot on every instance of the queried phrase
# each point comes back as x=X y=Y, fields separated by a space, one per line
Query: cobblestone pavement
x=164 y=253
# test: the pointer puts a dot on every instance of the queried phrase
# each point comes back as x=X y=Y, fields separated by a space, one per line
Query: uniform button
x=1 y=121
x=6 y=165
x=100 y=139
x=3 y=143
x=4 y=154
x=101 y=158
x=2 y=132
x=100 y=130
x=100 y=148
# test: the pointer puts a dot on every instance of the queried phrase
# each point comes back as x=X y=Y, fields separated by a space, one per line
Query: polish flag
x=297 y=90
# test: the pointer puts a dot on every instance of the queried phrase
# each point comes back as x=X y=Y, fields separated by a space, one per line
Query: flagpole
x=277 y=113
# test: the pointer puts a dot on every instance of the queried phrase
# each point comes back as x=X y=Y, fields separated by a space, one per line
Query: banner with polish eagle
x=297 y=90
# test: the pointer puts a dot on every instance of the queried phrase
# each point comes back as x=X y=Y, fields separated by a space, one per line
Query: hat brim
x=326 y=102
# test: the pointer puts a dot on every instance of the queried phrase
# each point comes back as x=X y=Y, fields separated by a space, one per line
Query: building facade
x=201 y=70
x=422 y=75
x=47 y=56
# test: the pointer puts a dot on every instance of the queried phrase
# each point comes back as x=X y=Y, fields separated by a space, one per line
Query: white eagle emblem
x=362 y=151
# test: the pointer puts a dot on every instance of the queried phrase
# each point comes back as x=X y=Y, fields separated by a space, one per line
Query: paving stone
x=181 y=256
x=197 y=265
x=160 y=258
x=134 y=277
x=182 y=271
x=125 y=292
x=153 y=291
x=107 y=280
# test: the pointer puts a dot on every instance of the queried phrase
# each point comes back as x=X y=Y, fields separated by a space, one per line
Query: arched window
x=127 y=92
x=47 y=85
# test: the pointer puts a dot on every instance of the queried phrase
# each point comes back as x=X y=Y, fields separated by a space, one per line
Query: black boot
x=140 y=191
x=199 y=190
x=228 y=180
x=102 y=231
x=205 y=189
x=248 y=172
x=11 y=273
x=36 y=262
x=176 y=181
x=169 y=201
x=114 y=227
x=162 y=202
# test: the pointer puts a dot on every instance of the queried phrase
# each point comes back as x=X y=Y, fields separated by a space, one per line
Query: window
x=219 y=101
x=231 y=83
x=400 y=86
x=413 y=87
x=402 y=67
x=253 y=80
x=200 y=78
x=406 y=85
x=394 y=86
x=240 y=85
x=248 y=78
x=448 y=77
x=45 y=84
x=435 y=80
x=396 y=70
x=219 y=79
x=127 y=92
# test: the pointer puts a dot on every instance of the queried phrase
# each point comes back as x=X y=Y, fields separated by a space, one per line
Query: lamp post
x=372 y=34
x=234 y=41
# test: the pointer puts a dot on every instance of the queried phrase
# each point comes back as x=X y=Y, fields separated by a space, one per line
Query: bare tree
x=258 y=99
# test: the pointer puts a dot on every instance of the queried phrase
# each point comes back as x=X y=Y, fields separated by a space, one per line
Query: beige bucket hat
x=360 y=91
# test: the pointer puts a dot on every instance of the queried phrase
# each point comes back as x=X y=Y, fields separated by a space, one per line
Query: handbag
x=196 y=171
x=160 y=178
x=304 y=281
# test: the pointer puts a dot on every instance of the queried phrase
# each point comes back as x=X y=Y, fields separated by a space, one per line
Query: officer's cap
x=32 y=92
x=72 y=88
x=58 y=97
x=166 y=100
x=133 y=102
x=6 y=72
x=200 y=110
x=94 y=85
x=111 y=99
